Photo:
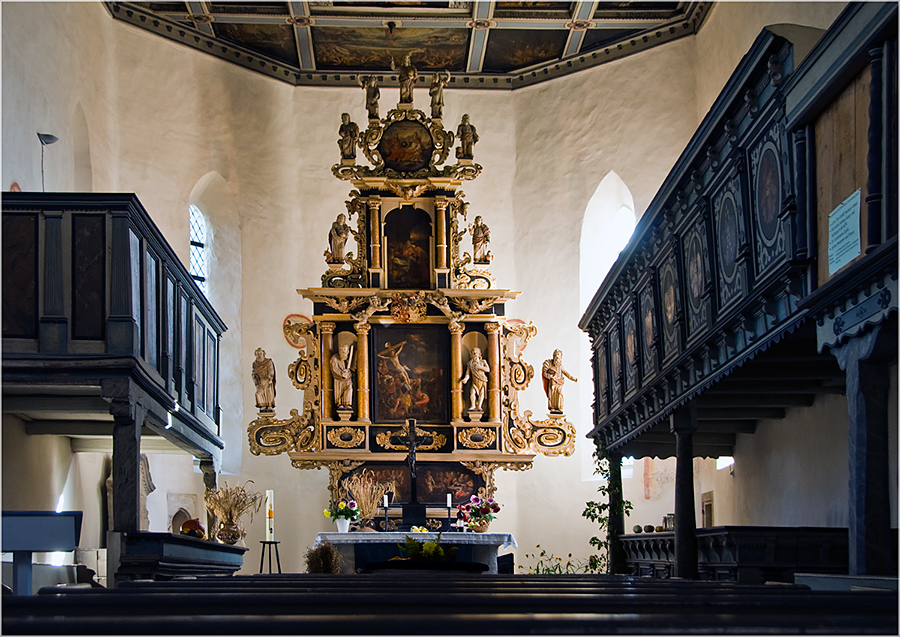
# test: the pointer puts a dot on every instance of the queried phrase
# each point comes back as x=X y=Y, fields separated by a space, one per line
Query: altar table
x=485 y=547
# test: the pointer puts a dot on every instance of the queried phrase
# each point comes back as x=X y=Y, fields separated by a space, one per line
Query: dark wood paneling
x=20 y=267
x=89 y=277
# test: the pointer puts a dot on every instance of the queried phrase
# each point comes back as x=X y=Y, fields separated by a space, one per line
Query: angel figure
x=436 y=91
x=554 y=375
x=407 y=75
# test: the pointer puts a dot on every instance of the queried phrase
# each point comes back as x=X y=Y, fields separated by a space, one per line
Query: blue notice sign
x=843 y=233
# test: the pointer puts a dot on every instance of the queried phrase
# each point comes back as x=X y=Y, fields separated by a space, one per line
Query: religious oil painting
x=406 y=146
x=408 y=234
x=512 y=49
x=433 y=482
x=768 y=194
x=410 y=381
x=728 y=237
x=275 y=40
x=371 y=48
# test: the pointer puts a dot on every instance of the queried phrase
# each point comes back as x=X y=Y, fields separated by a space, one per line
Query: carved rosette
x=270 y=436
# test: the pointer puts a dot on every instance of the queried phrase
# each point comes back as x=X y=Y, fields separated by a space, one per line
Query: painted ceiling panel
x=371 y=49
x=512 y=49
x=498 y=45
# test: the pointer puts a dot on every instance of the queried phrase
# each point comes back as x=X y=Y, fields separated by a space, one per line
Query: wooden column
x=440 y=212
x=865 y=360
x=374 y=232
x=875 y=156
x=126 y=468
x=456 y=373
x=683 y=424
x=616 y=515
x=493 y=336
x=362 y=371
x=326 y=330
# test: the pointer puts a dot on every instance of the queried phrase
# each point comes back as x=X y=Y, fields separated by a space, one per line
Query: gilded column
x=456 y=390
x=326 y=330
x=375 y=232
x=362 y=370
x=440 y=212
x=493 y=335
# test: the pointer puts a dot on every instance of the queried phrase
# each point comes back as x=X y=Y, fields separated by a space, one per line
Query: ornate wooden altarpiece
x=406 y=315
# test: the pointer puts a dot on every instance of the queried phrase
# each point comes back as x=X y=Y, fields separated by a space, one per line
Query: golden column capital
x=493 y=334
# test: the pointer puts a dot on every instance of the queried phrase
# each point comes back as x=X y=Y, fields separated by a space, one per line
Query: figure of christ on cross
x=413 y=513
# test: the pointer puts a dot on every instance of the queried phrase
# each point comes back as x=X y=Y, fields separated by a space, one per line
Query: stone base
x=475 y=415
x=348 y=161
x=405 y=107
x=344 y=414
x=556 y=415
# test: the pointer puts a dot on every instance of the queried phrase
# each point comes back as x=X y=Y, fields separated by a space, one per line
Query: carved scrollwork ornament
x=383 y=439
x=336 y=437
x=408 y=308
x=486 y=438
x=270 y=436
x=337 y=469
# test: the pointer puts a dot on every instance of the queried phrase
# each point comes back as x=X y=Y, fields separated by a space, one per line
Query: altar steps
x=433 y=603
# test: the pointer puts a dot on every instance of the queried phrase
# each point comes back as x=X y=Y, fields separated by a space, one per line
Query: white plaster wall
x=34 y=468
x=158 y=129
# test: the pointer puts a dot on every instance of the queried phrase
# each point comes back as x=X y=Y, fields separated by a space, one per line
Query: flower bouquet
x=478 y=512
x=343 y=512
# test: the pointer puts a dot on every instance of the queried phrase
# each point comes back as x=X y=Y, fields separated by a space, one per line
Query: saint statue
x=349 y=136
x=337 y=239
x=370 y=84
x=407 y=75
x=468 y=137
x=478 y=369
x=264 y=379
x=554 y=375
x=437 y=94
x=481 y=240
x=343 y=377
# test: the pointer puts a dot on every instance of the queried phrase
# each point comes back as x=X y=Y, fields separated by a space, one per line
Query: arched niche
x=408 y=238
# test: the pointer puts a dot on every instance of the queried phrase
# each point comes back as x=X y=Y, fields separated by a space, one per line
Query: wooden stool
x=268 y=544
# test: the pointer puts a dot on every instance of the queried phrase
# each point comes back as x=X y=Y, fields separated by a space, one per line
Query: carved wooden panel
x=696 y=267
x=768 y=174
x=602 y=388
x=648 y=331
x=729 y=215
x=615 y=365
x=630 y=341
x=670 y=295
x=20 y=276
x=88 y=276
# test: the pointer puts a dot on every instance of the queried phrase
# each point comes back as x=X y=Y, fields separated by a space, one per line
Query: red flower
x=485 y=510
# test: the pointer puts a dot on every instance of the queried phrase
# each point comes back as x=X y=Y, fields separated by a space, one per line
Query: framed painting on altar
x=410 y=373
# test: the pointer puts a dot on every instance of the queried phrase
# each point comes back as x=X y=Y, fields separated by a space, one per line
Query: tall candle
x=449 y=501
x=385 y=501
x=270 y=515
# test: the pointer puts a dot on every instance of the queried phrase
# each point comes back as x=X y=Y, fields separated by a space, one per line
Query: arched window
x=608 y=224
x=199 y=253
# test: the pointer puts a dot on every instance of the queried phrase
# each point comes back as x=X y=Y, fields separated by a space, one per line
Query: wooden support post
x=126 y=467
x=865 y=360
x=616 y=515
x=875 y=158
x=683 y=423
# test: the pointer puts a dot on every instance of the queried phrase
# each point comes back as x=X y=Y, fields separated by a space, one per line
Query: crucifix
x=413 y=512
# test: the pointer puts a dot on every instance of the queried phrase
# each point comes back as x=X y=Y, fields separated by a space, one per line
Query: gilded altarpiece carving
x=393 y=331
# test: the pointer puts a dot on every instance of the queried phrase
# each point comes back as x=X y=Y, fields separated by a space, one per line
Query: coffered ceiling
x=485 y=45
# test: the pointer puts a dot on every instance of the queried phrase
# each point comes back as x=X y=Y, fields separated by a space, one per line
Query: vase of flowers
x=229 y=504
x=343 y=512
x=478 y=512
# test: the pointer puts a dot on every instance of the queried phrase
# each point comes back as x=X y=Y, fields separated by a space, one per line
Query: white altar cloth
x=486 y=546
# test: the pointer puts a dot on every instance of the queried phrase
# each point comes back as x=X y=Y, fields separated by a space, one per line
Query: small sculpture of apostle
x=407 y=76
x=342 y=374
x=554 y=375
x=478 y=369
x=436 y=91
x=349 y=136
x=373 y=93
x=481 y=240
x=468 y=137
x=264 y=379
x=337 y=239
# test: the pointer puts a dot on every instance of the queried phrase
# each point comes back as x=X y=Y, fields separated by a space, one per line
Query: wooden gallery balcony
x=106 y=338
x=764 y=273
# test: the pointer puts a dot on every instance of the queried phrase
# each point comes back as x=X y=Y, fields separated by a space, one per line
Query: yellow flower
x=341 y=505
x=327 y=513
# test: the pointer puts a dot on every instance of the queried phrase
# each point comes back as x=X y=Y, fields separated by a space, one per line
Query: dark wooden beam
x=744 y=413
